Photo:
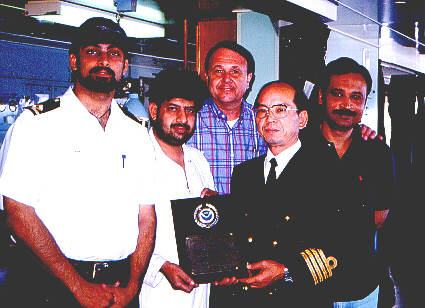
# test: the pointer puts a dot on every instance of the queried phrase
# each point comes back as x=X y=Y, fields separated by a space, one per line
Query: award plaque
x=207 y=238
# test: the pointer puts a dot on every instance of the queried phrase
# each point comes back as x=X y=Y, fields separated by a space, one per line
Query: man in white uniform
x=182 y=172
x=86 y=214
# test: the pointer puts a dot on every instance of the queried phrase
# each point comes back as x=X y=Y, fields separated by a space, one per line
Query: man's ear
x=125 y=66
x=303 y=115
x=73 y=61
x=248 y=79
x=153 y=111
x=206 y=78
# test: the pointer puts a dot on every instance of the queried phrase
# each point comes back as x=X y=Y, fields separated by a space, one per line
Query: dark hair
x=173 y=83
x=99 y=30
x=242 y=51
x=300 y=100
x=343 y=66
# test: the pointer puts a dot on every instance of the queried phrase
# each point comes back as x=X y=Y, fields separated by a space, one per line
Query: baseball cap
x=99 y=30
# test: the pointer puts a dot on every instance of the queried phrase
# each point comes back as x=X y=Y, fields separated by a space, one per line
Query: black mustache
x=344 y=112
x=181 y=125
x=97 y=69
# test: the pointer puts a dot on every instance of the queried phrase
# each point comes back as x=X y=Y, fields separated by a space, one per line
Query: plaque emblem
x=206 y=215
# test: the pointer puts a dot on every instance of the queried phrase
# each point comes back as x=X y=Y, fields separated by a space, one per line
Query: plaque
x=207 y=238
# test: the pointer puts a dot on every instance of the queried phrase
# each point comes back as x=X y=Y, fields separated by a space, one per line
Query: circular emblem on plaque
x=206 y=215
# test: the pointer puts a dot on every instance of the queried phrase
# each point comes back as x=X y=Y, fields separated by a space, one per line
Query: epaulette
x=320 y=267
x=45 y=106
x=133 y=117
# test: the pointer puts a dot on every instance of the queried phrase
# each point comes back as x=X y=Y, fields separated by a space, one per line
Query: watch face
x=2 y=105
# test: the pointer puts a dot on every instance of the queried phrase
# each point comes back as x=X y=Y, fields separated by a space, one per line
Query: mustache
x=344 y=112
x=97 y=69
x=181 y=125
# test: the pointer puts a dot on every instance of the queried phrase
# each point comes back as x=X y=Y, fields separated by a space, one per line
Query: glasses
x=278 y=111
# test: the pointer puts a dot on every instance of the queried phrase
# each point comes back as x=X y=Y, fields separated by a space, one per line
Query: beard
x=166 y=134
x=98 y=84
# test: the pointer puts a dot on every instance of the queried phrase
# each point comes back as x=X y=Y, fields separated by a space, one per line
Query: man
x=284 y=185
x=182 y=172
x=365 y=168
x=225 y=130
x=84 y=223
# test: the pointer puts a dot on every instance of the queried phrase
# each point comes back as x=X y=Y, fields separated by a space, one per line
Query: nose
x=270 y=117
x=346 y=103
x=182 y=117
x=226 y=77
x=103 y=59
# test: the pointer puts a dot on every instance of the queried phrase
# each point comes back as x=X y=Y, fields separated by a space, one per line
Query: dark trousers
x=29 y=284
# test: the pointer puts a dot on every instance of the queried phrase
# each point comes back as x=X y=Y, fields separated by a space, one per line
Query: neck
x=276 y=150
x=174 y=152
x=341 y=139
x=96 y=103
x=231 y=110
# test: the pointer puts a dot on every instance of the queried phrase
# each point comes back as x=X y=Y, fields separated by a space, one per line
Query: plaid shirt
x=225 y=147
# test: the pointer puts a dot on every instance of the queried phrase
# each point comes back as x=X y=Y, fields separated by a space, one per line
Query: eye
x=357 y=97
x=336 y=94
x=92 y=52
x=115 y=53
x=279 y=109
x=235 y=72
x=218 y=71
x=190 y=110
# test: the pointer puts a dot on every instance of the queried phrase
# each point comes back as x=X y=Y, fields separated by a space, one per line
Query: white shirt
x=174 y=183
x=26 y=114
x=282 y=159
x=85 y=184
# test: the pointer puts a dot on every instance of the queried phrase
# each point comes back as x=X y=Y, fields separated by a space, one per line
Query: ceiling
x=400 y=16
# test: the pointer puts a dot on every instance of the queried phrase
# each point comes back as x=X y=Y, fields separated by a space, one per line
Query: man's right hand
x=178 y=279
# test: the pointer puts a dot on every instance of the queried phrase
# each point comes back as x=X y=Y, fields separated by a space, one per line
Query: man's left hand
x=208 y=192
x=367 y=133
x=122 y=296
x=270 y=271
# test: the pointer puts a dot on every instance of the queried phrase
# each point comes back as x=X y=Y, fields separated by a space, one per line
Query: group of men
x=95 y=228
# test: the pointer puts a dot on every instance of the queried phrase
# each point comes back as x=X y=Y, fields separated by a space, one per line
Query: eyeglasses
x=278 y=111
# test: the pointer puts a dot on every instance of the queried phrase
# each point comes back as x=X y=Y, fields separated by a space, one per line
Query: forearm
x=28 y=227
x=145 y=243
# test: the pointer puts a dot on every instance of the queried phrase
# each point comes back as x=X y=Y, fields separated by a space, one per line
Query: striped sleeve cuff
x=320 y=267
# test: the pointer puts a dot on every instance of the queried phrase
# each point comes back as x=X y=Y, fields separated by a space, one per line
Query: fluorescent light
x=72 y=14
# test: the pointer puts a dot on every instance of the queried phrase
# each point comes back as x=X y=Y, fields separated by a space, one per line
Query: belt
x=108 y=272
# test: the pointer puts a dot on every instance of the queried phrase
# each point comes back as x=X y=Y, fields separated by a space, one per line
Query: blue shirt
x=223 y=146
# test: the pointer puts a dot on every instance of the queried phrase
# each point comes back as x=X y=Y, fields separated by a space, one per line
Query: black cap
x=99 y=30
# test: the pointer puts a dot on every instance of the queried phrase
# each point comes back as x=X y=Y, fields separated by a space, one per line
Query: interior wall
x=256 y=32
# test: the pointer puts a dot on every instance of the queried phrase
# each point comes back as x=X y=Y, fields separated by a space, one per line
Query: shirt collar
x=282 y=158
x=115 y=115
x=246 y=109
